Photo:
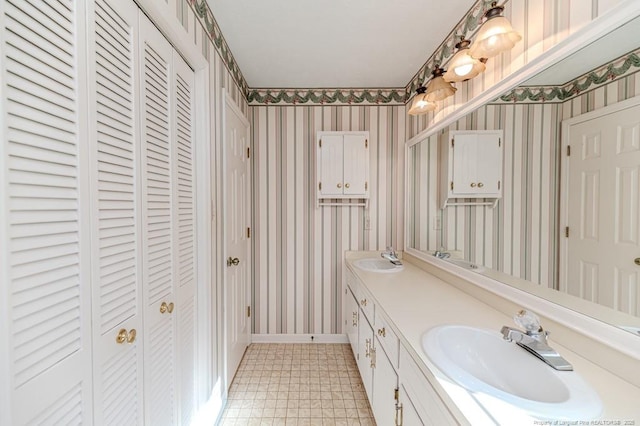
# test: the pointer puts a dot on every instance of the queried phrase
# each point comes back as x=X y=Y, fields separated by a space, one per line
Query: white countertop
x=415 y=301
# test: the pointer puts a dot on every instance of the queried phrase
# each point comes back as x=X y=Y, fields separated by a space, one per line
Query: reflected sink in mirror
x=465 y=264
x=377 y=265
x=487 y=365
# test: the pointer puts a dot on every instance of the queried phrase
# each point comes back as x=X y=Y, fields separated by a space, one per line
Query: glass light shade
x=494 y=37
x=420 y=105
x=463 y=67
x=439 y=89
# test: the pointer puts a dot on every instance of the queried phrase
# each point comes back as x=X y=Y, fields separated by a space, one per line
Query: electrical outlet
x=437 y=223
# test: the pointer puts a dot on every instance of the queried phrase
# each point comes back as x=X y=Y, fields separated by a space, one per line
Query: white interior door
x=603 y=210
x=116 y=278
x=237 y=220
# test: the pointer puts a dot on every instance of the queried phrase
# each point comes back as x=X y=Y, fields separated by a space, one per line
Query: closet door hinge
x=248 y=152
x=320 y=143
x=498 y=184
x=499 y=142
x=568 y=150
x=452 y=142
x=319 y=186
x=248 y=311
x=452 y=185
x=248 y=232
x=366 y=186
x=566 y=231
x=366 y=143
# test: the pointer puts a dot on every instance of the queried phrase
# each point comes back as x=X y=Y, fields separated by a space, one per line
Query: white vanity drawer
x=387 y=338
x=365 y=301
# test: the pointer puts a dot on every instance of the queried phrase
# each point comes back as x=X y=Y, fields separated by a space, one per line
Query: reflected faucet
x=391 y=256
x=442 y=254
x=534 y=340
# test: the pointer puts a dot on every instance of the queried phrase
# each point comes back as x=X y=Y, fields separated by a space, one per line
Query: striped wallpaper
x=520 y=236
x=298 y=248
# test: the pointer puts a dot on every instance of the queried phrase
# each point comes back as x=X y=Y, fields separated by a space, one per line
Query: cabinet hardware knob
x=164 y=307
x=233 y=261
x=473 y=185
x=637 y=261
x=132 y=336
x=339 y=185
x=382 y=332
x=363 y=302
x=170 y=307
x=480 y=184
x=346 y=185
x=122 y=336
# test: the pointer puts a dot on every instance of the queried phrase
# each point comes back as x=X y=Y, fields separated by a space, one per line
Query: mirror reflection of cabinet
x=343 y=165
x=471 y=167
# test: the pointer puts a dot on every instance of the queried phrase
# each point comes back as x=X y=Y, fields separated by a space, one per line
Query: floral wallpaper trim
x=328 y=96
x=204 y=14
x=607 y=73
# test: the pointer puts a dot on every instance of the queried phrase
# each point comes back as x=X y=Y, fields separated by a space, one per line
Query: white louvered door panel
x=113 y=79
x=158 y=230
x=184 y=214
x=45 y=335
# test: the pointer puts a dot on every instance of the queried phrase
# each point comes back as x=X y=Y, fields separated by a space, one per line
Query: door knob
x=132 y=336
x=346 y=185
x=480 y=185
x=339 y=185
x=473 y=185
x=164 y=307
x=637 y=261
x=170 y=307
x=122 y=336
x=233 y=261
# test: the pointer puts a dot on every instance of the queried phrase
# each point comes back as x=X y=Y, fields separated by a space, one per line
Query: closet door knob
x=339 y=185
x=473 y=185
x=132 y=336
x=363 y=302
x=480 y=185
x=164 y=307
x=346 y=185
x=637 y=261
x=170 y=307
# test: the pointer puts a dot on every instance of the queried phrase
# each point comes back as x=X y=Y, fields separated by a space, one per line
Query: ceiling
x=334 y=43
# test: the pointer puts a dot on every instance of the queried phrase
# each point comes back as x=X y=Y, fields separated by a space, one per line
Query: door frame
x=230 y=106
x=563 y=252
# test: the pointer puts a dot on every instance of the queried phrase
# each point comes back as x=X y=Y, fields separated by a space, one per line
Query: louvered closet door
x=158 y=234
x=44 y=291
x=117 y=307
x=184 y=214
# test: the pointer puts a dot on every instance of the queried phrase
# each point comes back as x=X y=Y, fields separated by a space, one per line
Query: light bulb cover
x=463 y=66
x=495 y=36
x=420 y=105
x=438 y=88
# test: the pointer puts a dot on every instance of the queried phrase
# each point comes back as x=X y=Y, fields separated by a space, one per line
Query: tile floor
x=297 y=384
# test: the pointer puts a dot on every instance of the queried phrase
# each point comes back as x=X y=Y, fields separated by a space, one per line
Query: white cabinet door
x=184 y=237
x=351 y=315
x=355 y=166
x=385 y=382
x=116 y=277
x=476 y=164
x=45 y=318
x=331 y=175
x=488 y=163
x=158 y=226
x=407 y=413
x=365 y=344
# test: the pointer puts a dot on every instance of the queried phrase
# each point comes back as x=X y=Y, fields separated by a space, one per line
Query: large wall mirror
x=522 y=241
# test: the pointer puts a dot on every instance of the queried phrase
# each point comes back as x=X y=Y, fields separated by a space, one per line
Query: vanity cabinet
x=470 y=166
x=343 y=165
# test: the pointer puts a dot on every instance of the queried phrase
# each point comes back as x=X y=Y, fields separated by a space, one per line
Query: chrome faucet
x=391 y=256
x=534 y=340
x=442 y=254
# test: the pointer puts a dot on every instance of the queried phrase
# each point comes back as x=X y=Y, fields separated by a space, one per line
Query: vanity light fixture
x=420 y=105
x=438 y=89
x=495 y=36
x=463 y=66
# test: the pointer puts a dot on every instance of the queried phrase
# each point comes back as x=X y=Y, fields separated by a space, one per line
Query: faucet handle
x=529 y=321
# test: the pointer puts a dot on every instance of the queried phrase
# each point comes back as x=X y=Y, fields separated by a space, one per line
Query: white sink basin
x=485 y=364
x=377 y=265
x=465 y=264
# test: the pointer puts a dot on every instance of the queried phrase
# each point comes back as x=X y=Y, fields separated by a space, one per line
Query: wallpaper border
x=397 y=96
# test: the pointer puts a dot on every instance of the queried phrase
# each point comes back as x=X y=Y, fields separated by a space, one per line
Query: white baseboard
x=299 y=338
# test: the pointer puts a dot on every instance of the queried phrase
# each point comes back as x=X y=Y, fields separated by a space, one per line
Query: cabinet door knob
x=473 y=185
x=363 y=302
x=480 y=184
x=170 y=307
x=164 y=307
x=637 y=261
x=339 y=185
x=346 y=185
x=382 y=332
x=132 y=336
x=122 y=336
